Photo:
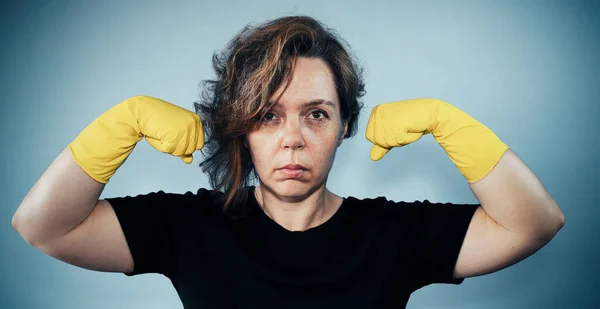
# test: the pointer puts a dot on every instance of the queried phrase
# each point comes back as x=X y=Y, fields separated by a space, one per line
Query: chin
x=291 y=188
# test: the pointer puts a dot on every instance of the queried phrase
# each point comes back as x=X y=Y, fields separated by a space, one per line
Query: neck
x=301 y=213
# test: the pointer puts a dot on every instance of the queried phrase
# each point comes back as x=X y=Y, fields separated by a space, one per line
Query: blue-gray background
x=528 y=70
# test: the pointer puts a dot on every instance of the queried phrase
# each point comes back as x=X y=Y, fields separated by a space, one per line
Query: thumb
x=378 y=152
x=187 y=159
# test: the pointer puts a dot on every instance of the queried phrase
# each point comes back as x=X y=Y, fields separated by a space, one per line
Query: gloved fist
x=169 y=128
x=104 y=145
x=471 y=146
x=396 y=124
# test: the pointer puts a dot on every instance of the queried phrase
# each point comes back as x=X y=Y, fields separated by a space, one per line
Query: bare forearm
x=61 y=199
x=514 y=197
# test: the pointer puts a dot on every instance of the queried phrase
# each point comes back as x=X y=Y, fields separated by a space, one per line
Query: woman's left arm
x=517 y=217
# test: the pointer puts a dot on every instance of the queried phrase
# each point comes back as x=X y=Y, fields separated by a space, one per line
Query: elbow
x=16 y=224
x=552 y=227
x=13 y=222
x=559 y=218
x=561 y=222
x=20 y=226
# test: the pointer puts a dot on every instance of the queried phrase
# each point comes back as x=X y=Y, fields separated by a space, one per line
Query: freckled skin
x=297 y=134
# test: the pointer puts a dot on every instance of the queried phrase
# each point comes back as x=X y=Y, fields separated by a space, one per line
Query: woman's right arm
x=62 y=217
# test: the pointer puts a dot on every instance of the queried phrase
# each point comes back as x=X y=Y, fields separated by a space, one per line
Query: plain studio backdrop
x=527 y=70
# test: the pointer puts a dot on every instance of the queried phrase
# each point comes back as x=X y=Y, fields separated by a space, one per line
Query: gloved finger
x=410 y=138
x=400 y=140
x=378 y=152
x=187 y=159
x=200 y=139
x=182 y=147
x=194 y=136
x=199 y=136
x=160 y=145
x=370 y=132
x=191 y=142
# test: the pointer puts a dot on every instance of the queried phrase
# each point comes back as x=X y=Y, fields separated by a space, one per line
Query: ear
x=345 y=129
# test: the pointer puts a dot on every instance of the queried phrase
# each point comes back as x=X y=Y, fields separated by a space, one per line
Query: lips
x=293 y=167
x=292 y=170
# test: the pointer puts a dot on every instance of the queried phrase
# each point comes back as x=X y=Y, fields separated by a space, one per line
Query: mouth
x=293 y=167
x=292 y=170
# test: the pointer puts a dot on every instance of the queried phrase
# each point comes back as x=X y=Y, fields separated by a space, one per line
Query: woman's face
x=304 y=128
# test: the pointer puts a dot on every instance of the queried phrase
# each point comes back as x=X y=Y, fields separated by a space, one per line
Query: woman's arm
x=517 y=217
x=62 y=217
x=59 y=201
x=514 y=197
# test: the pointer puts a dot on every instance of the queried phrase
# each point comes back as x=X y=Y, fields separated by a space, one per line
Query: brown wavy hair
x=253 y=65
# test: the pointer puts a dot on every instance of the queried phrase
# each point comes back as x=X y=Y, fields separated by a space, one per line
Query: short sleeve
x=151 y=224
x=439 y=230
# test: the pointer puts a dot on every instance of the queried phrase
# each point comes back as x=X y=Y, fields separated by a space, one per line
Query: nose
x=292 y=135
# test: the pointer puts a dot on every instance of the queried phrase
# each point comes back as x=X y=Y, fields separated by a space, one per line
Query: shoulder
x=379 y=210
x=161 y=201
x=410 y=212
x=384 y=204
x=401 y=205
x=162 y=195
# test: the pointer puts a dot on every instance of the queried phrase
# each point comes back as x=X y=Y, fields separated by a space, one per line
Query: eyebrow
x=309 y=103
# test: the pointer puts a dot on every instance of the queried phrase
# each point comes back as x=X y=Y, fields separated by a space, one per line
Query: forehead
x=312 y=81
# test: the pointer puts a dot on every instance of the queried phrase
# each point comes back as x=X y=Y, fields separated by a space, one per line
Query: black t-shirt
x=373 y=252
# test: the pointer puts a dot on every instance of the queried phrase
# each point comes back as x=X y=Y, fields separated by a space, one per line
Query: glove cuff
x=104 y=145
x=471 y=146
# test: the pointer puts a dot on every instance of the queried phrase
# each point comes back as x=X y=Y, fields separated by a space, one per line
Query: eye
x=269 y=116
x=317 y=113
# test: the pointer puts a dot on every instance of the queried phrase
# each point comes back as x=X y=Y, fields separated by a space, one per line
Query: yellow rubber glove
x=471 y=146
x=104 y=145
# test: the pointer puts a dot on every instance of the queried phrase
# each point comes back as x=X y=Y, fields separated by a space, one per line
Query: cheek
x=325 y=151
x=324 y=133
x=262 y=151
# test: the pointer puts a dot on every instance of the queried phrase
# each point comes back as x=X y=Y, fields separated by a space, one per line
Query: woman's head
x=255 y=115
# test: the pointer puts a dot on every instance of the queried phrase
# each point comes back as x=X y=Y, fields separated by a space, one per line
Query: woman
x=286 y=96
